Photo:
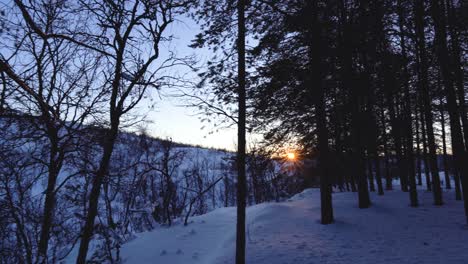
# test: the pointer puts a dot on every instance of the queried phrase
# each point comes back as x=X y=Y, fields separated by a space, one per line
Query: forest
x=348 y=96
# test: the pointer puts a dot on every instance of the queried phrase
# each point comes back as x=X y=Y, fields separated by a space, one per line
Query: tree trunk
x=358 y=149
x=424 y=87
x=396 y=133
x=378 y=174
x=407 y=114
x=457 y=182
x=427 y=172
x=457 y=66
x=438 y=15
x=315 y=57
x=388 y=175
x=55 y=165
x=444 y=145
x=241 y=180
x=101 y=173
x=418 y=148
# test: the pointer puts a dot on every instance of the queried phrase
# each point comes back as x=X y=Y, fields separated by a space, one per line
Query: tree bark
x=444 y=145
x=438 y=15
x=101 y=173
x=407 y=114
x=241 y=180
x=317 y=89
x=388 y=175
x=418 y=147
x=55 y=165
x=457 y=65
x=424 y=86
x=427 y=172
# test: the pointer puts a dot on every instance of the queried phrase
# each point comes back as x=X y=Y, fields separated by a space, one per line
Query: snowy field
x=289 y=232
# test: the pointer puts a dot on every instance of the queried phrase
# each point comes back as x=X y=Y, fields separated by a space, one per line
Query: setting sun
x=291 y=156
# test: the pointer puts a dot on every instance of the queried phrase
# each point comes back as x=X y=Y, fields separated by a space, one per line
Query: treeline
x=369 y=85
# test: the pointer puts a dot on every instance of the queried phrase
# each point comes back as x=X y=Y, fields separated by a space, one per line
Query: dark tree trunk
x=427 y=172
x=374 y=157
x=396 y=133
x=444 y=145
x=101 y=173
x=55 y=165
x=343 y=180
x=407 y=113
x=453 y=24
x=424 y=89
x=317 y=92
x=358 y=151
x=438 y=15
x=378 y=173
x=457 y=183
x=358 y=102
x=418 y=147
x=241 y=180
x=3 y=93
x=388 y=175
x=345 y=59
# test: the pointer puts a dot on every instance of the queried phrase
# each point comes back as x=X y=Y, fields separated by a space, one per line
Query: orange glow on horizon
x=291 y=155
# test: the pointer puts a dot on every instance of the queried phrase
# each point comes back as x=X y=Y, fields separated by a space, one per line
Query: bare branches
x=210 y=107
x=27 y=17
x=5 y=68
x=199 y=194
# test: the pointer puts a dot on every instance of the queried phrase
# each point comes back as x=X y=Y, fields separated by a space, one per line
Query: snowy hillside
x=289 y=232
x=151 y=183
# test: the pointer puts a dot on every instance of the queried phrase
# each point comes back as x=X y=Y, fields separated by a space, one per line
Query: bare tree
x=49 y=81
x=128 y=34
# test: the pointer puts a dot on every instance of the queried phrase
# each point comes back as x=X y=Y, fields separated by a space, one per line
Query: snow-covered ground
x=289 y=232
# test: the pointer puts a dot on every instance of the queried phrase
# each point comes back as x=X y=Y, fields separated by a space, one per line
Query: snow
x=289 y=232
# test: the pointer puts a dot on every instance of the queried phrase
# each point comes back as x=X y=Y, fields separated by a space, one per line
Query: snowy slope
x=289 y=232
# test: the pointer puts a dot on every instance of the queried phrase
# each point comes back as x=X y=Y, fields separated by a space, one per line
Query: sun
x=291 y=155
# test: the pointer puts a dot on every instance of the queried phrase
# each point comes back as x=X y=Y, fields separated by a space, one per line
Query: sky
x=170 y=119
x=182 y=124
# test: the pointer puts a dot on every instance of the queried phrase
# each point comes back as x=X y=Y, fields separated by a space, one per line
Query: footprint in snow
x=195 y=255
x=192 y=232
x=163 y=252
x=179 y=252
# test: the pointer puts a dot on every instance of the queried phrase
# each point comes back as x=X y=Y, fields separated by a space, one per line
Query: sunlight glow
x=291 y=155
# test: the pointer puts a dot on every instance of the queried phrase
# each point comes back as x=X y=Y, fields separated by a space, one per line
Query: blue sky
x=182 y=124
